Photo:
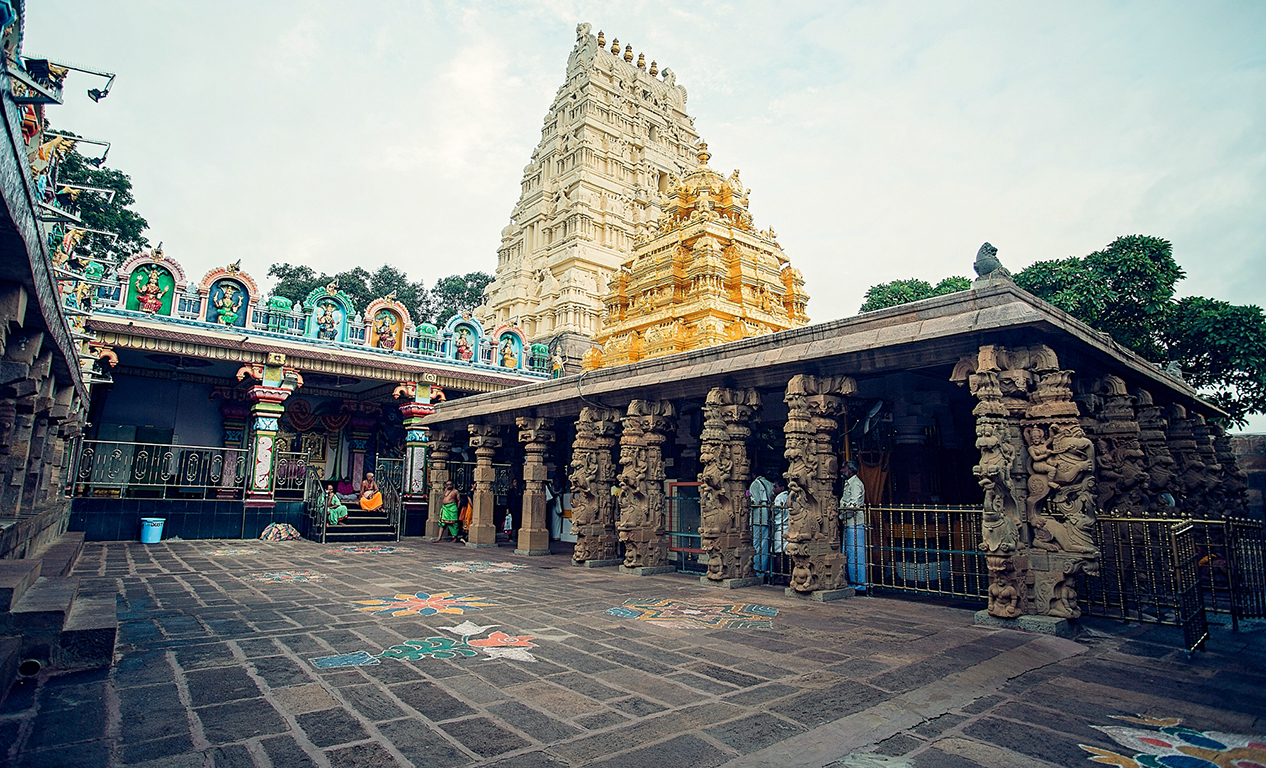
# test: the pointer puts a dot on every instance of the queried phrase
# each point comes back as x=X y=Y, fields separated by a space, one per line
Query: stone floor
x=253 y=653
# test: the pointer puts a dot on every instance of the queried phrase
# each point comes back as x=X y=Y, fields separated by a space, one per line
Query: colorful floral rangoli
x=284 y=577
x=422 y=604
x=697 y=614
x=478 y=566
x=1169 y=745
x=365 y=550
x=497 y=645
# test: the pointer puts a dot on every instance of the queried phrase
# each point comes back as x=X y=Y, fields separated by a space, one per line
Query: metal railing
x=116 y=469
x=389 y=473
x=462 y=474
x=931 y=550
x=314 y=503
x=769 y=527
x=290 y=470
x=681 y=525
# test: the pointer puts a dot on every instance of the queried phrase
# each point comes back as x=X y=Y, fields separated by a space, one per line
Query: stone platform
x=251 y=653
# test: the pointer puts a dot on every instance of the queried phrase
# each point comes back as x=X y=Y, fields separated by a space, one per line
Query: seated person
x=370 y=495
x=336 y=510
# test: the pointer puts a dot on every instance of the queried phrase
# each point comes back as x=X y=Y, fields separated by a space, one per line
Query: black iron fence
x=932 y=550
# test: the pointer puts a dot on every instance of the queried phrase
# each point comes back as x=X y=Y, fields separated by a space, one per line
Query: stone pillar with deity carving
x=1121 y=463
x=1158 y=460
x=535 y=435
x=277 y=381
x=485 y=440
x=1191 y=478
x=416 y=406
x=440 y=442
x=725 y=510
x=813 y=530
x=593 y=508
x=648 y=425
x=1211 y=470
x=1232 y=491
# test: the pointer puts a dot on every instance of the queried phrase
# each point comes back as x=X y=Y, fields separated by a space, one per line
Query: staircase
x=360 y=525
x=43 y=616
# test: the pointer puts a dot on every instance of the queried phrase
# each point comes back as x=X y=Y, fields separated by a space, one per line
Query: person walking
x=449 y=511
x=853 y=520
x=761 y=493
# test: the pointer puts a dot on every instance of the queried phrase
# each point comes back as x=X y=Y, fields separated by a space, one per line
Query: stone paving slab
x=252 y=653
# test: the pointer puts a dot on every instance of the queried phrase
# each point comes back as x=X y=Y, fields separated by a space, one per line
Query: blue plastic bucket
x=151 y=530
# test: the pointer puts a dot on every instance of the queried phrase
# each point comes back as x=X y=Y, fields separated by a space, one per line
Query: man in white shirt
x=853 y=522
x=778 y=527
x=761 y=492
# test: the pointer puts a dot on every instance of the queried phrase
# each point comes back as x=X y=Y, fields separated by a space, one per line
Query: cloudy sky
x=882 y=140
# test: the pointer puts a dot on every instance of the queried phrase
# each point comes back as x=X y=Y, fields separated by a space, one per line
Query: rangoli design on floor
x=284 y=577
x=365 y=550
x=422 y=604
x=697 y=614
x=230 y=552
x=478 y=566
x=497 y=645
x=1168 y=745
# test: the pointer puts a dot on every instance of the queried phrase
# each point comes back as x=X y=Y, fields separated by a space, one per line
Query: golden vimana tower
x=702 y=275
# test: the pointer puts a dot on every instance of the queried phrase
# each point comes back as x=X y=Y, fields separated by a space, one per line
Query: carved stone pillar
x=440 y=442
x=647 y=426
x=22 y=374
x=485 y=440
x=1037 y=469
x=593 y=508
x=813 y=531
x=1233 y=483
x=536 y=436
x=1191 y=474
x=1123 y=487
x=1159 y=462
x=725 y=510
x=1211 y=470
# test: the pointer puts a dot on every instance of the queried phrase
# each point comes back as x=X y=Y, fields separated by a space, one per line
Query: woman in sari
x=370 y=496
x=336 y=510
x=448 y=512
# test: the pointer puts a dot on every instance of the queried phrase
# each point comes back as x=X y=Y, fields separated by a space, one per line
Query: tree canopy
x=1127 y=290
x=906 y=291
x=94 y=210
x=450 y=295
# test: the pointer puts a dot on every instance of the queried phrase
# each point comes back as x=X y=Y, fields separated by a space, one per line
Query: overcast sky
x=881 y=140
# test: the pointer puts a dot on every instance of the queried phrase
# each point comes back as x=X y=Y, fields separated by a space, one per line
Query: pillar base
x=648 y=570
x=595 y=563
x=479 y=545
x=532 y=552
x=750 y=581
x=821 y=595
x=1046 y=625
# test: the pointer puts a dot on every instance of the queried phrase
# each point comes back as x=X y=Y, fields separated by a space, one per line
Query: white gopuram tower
x=614 y=135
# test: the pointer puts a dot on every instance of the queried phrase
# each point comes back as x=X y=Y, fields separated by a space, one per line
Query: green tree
x=1127 y=290
x=458 y=293
x=97 y=212
x=906 y=291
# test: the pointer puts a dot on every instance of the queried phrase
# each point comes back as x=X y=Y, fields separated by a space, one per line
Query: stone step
x=60 y=558
x=40 y=614
x=16 y=576
x=334 y=535
x=10 y=656
x=87 y=638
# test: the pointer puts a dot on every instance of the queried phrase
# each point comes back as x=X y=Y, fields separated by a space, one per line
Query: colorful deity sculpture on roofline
x=388 y=319
x=511 y=347
x=328 y=309
x=229 y=296
x=465 y=340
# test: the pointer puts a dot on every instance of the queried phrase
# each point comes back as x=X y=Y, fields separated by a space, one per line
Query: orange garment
x=371 y=503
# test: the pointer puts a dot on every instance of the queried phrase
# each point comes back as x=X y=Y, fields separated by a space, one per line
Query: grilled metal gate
x=1195 y=627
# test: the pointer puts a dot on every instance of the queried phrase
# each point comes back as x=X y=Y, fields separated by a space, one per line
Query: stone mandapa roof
x=924 y=334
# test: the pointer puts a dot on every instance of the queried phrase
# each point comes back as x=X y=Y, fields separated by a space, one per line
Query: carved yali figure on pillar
x=1159 y=461
x=647 y=427
x=725 y=513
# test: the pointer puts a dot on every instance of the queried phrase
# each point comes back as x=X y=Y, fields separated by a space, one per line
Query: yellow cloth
x=372 y=503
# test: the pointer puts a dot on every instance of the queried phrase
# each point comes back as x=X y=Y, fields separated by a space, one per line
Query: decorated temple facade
x=238 y=404
x=615 y=134
x=701 y=275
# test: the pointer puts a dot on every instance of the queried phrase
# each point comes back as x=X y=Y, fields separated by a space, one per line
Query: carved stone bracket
x=725 y=510
x=440 y=443
x=592 y=475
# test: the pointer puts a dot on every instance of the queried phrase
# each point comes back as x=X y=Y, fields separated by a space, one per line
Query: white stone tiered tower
x=612 y=138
